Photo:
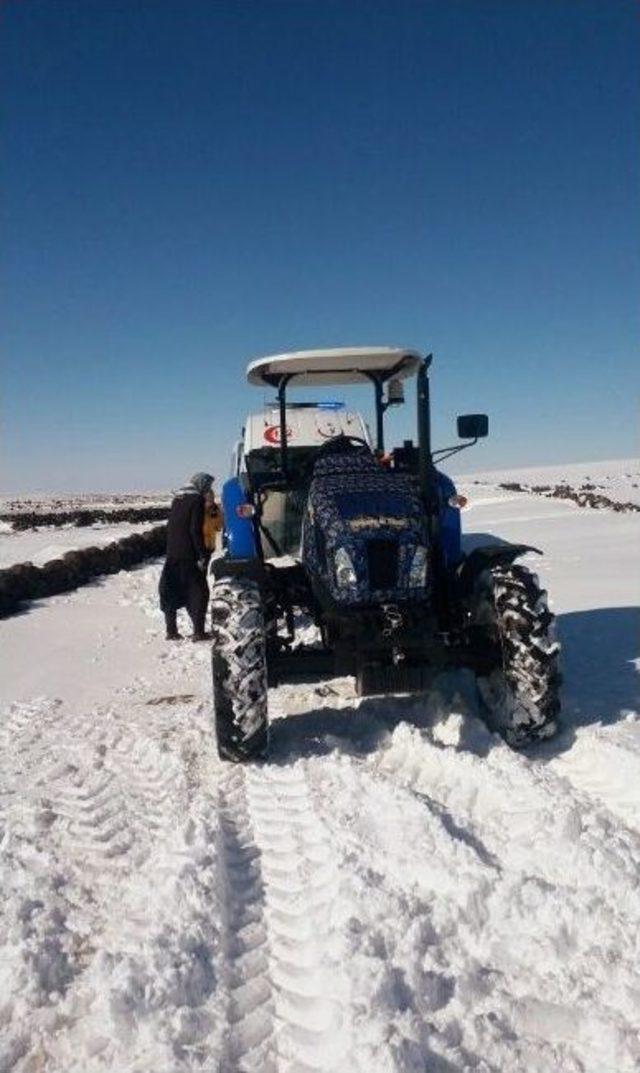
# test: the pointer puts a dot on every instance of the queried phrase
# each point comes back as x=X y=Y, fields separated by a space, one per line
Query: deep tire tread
x=522 y=697
x=239 y=670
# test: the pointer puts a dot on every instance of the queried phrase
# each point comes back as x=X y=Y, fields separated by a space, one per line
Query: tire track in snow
x=109 y=925
x=27 y=730
x=153 y=779
x=300 y=885
x=121 y=946
x=250 y=1041
x=114 y=794
x=287 y=995
x=93 y=808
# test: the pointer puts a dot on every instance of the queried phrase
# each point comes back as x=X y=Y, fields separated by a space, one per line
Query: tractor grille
x=382 y=563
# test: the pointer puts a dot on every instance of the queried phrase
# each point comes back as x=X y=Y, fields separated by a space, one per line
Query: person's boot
x=171 y=620
x=199 y=632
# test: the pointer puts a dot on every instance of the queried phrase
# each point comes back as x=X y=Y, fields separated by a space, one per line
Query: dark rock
x=56 y=577
x=111 y=558
x=77 y=565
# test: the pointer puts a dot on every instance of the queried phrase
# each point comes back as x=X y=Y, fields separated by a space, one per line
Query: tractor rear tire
x=239 y=670
x=521 y=696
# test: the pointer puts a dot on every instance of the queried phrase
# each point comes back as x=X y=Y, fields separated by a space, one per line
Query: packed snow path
x=394 y=892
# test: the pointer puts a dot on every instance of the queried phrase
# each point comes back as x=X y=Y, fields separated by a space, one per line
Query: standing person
x=183 y=580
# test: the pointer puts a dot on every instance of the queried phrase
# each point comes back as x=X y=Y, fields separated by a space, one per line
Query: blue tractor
x=343 y=559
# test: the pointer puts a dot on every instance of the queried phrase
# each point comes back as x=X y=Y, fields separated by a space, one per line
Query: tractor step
x=300 y=665
x=377 y=678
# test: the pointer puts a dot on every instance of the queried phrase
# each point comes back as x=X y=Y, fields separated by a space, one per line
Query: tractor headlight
x=418 y=568
x=344 y=568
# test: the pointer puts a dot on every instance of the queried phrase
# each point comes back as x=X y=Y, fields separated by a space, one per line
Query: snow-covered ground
x=394 y=892
x=619 y=480
x=89 y=501
x=38 y=546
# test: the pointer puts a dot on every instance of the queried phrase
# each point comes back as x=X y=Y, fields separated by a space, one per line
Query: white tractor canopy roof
x=342 y=365
x=307 y=426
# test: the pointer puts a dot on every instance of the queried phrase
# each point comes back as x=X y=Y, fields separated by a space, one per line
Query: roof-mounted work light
x=395 y=392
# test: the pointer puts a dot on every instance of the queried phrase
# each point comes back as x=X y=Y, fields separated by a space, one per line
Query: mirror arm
x=446 y=452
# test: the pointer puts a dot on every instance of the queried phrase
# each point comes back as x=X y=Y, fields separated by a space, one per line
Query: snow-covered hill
x=618 y=480
x=394 y=892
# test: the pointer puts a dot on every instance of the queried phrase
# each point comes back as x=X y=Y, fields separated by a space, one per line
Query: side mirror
x=473 y=426
x=395 y=392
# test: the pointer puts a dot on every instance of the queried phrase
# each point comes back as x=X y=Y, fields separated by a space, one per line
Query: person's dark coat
x=182 y=582
x=185 y=536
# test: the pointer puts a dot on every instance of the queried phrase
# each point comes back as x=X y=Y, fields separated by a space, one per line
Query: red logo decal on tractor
x=272 y=434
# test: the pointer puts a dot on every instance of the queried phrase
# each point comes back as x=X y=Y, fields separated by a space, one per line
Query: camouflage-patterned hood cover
x=376 y=516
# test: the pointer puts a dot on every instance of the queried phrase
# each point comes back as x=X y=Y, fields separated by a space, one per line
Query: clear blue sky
x=188 y=184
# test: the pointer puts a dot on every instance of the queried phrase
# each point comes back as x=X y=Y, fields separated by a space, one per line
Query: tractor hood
x=364 y=535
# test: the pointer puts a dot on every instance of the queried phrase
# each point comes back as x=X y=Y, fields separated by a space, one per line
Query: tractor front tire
x=239 y=670
x=521 y=696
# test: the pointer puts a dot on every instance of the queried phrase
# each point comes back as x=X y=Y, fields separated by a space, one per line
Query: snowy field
x=89 y=501
x=38 y=546
x=394 y=892
x=619 y=480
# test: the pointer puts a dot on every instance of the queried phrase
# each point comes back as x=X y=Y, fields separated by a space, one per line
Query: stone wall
x=24 y=581
x=32 y=519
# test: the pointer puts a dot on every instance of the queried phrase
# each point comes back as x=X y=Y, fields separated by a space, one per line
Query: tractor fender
x=486 y=556
x=450 y=528
x=239 y=533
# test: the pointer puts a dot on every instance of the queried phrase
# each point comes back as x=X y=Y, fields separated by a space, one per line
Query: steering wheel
x=342 y=445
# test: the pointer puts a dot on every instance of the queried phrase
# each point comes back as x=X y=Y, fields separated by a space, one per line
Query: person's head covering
x=202 y=482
